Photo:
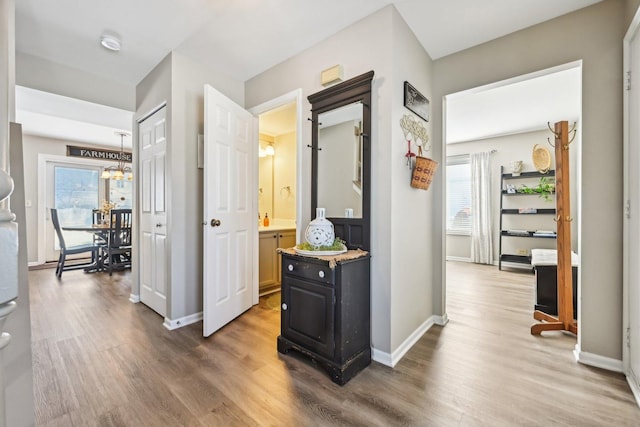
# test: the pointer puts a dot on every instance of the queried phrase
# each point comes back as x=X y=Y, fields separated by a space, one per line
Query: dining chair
x=71 y=250
x=119 y=244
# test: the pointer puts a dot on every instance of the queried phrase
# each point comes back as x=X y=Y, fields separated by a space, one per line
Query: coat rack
x=564 y=321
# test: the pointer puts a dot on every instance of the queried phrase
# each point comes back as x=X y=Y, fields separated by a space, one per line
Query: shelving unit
x=508 y=178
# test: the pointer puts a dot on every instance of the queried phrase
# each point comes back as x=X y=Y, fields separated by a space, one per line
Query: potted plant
x=545 y=188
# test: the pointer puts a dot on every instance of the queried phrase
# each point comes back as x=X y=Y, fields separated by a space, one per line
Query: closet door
x=152 y=143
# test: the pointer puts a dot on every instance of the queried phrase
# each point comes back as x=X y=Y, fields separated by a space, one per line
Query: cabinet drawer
x=317 y=272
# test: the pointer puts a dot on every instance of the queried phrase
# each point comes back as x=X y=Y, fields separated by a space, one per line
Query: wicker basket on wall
x=423 y=172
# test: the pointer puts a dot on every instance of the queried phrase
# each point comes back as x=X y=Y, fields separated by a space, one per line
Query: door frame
x=43 y=160
x=287 y=98
x=633 y=30
x=578 y=171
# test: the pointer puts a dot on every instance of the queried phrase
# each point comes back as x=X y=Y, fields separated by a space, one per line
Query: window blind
x=458 y=196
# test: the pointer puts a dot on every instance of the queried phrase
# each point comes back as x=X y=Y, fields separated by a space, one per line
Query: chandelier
x=118 y=171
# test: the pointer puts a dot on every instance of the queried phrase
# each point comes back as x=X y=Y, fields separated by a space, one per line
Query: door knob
x=215 y=222
x=158 y=225
x=284 y=306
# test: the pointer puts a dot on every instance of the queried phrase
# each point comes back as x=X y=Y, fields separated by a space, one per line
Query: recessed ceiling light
x=110 y=42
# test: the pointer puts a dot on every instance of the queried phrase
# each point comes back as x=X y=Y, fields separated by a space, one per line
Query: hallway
x=100 y=360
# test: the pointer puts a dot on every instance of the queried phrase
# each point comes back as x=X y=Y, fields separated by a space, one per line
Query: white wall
x=593 y=34
x=401 y=296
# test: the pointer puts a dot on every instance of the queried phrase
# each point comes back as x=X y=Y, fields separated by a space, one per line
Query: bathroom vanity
x=269 y=271
x=326 y=300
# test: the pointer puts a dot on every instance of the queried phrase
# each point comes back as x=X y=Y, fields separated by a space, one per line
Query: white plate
x=317 y=253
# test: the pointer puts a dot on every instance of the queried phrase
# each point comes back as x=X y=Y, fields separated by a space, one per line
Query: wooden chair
x=119 y=244
x=71 y=250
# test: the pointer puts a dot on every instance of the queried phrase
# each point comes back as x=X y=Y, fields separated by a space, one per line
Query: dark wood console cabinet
x=326 y=313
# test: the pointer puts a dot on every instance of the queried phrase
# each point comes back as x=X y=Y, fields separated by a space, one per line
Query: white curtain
x=481 y=246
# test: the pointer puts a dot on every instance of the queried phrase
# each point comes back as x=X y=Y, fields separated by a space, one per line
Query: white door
x=633 y=214
x=152 y=143
x=230 y=210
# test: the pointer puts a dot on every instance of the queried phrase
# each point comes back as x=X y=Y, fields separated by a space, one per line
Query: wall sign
x=416 y=102
x=97 y=153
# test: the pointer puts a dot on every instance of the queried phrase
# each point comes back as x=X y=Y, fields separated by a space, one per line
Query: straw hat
x=541 y=158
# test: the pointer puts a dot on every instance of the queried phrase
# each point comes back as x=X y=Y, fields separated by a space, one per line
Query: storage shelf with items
x=523 y=217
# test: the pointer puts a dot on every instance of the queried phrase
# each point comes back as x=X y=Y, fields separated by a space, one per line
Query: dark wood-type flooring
x=101 y=360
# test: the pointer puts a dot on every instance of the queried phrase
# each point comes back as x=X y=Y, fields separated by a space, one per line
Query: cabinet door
x=286 y=239
x=308 y=316
x=267 y=265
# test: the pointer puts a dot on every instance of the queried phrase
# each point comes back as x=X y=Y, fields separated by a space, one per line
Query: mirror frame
x=354 y=231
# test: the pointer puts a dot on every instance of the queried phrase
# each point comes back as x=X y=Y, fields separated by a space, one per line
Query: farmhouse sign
x=97 y=153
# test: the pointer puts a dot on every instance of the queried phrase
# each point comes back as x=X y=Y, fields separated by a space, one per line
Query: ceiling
x=523 y=104
x=244 y=38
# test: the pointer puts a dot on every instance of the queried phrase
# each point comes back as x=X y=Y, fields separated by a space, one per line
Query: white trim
x=43 y=159
x=134 y=298
x=626 y=64
x=597 y=361
x=441 y=320
x=392 y=359
x=182 y=321
x=457 y=258
x=34 y=264
x=635 y=388
x=150 y=113
x=517 y=79
x=289 y=97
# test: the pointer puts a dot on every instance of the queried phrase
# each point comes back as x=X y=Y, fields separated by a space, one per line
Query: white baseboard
x=635 y=388
x=597 y=361
x=457 y=258
x=134 y=298
x=392 y=359
x=182 y=321
x=441 y=320
x=34 y=263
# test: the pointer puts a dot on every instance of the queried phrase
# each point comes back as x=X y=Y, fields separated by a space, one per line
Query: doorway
x=74 y=187
x=507 y=119
x=279 y=172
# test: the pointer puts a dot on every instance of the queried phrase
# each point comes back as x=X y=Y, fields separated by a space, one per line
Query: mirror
x=340 y=159
x=340 y=147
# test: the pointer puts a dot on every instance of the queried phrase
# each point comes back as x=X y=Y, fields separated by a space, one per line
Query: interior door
x=633 y=214
x=152 y=143
x=230 y=210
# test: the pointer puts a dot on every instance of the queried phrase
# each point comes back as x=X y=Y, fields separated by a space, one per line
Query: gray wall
x=179 y=81
x=381 y=42
x=39 y=73
x=594 y=35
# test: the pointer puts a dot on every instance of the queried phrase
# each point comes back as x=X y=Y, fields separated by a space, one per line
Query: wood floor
x=101 y=360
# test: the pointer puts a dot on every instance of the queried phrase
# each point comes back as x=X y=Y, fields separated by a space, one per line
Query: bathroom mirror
x=340 y=144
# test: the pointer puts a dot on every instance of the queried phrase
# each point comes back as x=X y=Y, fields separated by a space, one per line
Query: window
x=458 y=195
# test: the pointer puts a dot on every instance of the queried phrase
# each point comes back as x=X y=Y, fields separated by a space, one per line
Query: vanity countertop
x=276 y=227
